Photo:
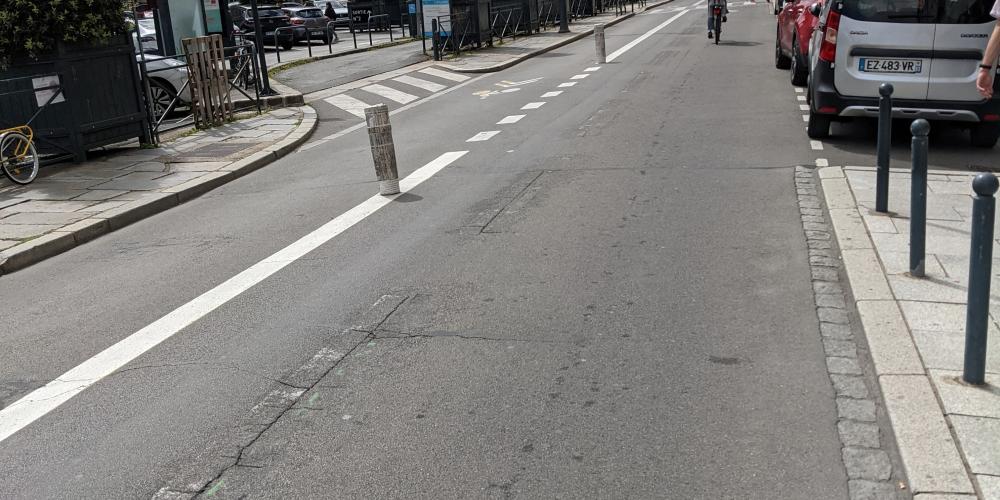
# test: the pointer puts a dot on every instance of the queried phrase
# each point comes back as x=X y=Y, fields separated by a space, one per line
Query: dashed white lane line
x=803 y=107
x=822 y=162
x=420 y=83
x=483 y=136
x=447 y=75
x=614 y=55
x=816 y=145
x=533 y=105
x=390 y=93
x=347 y=103
x=39 y=402
x=801 y=98
x=552 y=94
x=805 y=118
x=510 y=119
x=800 y=90
x=567 y=84
x=581 y=76
x=592 y=69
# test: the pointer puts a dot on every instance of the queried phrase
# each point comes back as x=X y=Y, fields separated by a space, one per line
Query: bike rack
x=277 y=48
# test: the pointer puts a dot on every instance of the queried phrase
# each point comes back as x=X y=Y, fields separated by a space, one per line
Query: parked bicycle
x=18 y=158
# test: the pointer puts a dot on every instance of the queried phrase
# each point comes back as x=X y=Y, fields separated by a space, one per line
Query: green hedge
x=30 y=28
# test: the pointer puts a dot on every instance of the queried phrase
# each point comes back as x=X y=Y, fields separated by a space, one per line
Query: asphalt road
x=609 y=298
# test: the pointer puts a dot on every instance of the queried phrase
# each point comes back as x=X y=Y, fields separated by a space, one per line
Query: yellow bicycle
x=18 y=158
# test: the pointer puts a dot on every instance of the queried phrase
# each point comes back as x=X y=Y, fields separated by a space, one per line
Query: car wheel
x=160 y=96
x=984 y=135
x=287 y=45
x=781 y=61
x=819 y=126
x=799 y=71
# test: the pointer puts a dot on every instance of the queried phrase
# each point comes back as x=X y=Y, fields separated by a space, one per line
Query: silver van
x=929 y=50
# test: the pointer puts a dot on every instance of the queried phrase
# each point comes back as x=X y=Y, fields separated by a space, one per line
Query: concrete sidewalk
x=948 y=433
x=70 y=204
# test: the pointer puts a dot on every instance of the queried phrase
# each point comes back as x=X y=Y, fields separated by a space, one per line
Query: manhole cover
x=213 y=152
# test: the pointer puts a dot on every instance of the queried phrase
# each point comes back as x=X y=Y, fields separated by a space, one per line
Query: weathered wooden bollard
x=602 y=57
x=383 y=150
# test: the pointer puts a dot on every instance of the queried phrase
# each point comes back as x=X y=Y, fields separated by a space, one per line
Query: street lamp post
x=563 y=17
x=258 y=37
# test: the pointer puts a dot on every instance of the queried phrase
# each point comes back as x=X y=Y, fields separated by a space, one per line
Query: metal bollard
x=980 y=270
x=884 y=146
x=383 y=150
x=918 y=196
x=436 y=40
x=602 y=57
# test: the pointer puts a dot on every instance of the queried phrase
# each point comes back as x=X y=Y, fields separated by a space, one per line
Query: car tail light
x=298 y=21
x=828 y=49
x=828 y=110
x=991 y=118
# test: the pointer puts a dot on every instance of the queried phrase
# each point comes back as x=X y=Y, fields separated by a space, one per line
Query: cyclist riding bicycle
x=711 y=17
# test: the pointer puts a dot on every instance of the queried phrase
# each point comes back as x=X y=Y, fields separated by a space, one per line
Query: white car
x=929 y=50
x=167 y=76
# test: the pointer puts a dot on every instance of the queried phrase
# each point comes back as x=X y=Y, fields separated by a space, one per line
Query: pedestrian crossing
x=393 y=91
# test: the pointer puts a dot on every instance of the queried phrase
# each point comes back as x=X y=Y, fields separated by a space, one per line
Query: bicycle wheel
x=718 y=28
x=18 y=157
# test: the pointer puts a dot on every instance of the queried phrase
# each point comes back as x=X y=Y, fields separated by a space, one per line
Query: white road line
x=420 y=83
x=552 y=94
x=510 y=119
x=390 y=93
x=822 y=162
x=483 y=136
x=41 y=401
x=803 y=107
x=447 y=75
x=592 y=69
x=567 y=84
x=533 y=105
x=805 y=118
x=816 y=145
x=347 y=103
x=614 y=55
x=580 y=76
x=800 y=98
x=800 y=89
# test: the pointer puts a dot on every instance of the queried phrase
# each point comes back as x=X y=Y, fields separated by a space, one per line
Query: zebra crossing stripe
x=420 y=84
x=447 y=75
x=347 y=103
x=390 y=93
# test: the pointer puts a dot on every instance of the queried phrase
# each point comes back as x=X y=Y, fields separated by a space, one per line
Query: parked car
x=167 y=77
x=271 y=18
x=929 y=50
x=308 y=19
x=796 y=23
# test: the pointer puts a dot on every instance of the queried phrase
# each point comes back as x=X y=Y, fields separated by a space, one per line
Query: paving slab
x=70 y=204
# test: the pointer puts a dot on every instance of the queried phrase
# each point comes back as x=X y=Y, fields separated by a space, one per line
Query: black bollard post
x=884 y=146
x=980 y=270
x=918 y=196
x=436 y=39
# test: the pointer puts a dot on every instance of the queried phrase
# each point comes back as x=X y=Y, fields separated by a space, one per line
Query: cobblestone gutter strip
x=869 y=467
x=928 y=452
x=65 y=238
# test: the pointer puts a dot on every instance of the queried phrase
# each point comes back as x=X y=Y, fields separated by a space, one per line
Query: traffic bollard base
x=388 y=187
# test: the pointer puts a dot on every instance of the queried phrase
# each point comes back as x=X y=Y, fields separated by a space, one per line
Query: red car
x=791 y=47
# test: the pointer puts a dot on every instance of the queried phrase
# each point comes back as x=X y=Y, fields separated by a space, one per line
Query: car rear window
x=919 y=11
x=269 y=12
x=309 y=13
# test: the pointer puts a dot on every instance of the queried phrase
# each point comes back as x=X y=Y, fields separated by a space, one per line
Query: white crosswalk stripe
x=390 y=93
x=420 y=84
x=347 y=103
x=447 y=75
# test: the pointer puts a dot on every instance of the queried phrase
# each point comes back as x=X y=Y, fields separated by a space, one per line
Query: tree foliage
x=31 y=28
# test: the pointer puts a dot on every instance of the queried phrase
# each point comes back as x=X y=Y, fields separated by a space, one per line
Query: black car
x=271 y=18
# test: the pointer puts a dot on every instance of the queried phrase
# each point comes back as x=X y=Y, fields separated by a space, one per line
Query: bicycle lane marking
x=614 y=55
x=40 y=402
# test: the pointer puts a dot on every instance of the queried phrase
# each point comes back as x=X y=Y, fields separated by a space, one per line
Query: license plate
x=880 y=65
x=268 y=33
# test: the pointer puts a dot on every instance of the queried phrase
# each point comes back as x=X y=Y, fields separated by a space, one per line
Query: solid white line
x=347 y=103
x=420 y=83
x=579 y=77
x=510 y=119
x=390 y=93
x=483 y=136
x=447 y=75
x=592 y=68
x=614 y=55
x=552 y=94
x=567 y=84
x=803 y=107
x=533 y=105
x=822 y=162
x=816 y=145
x=41 y=401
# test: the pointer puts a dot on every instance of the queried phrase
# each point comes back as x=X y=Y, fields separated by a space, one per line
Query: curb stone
x=59 y=241
x=929 y=454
